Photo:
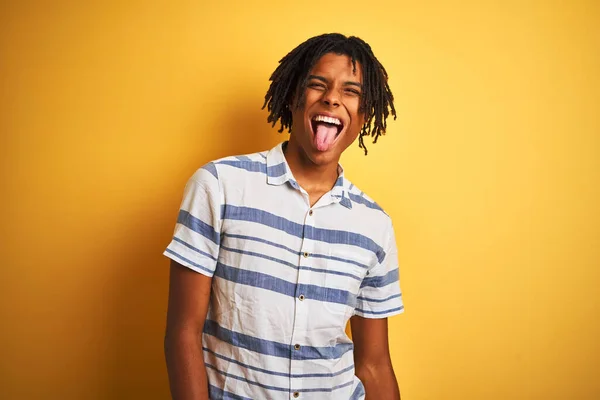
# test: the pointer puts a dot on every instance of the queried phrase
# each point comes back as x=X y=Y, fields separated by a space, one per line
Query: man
x=274 y=252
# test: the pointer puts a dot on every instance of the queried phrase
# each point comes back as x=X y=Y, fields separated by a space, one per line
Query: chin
x=323 y=157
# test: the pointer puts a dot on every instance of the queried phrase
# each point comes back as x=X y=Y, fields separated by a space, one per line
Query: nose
x=331 y=98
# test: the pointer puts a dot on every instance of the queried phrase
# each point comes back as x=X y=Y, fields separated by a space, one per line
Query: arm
x=189 y=294
x=372 y=358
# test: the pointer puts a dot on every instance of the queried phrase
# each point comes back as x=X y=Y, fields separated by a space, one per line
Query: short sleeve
x=196 y=239
x=380 y=295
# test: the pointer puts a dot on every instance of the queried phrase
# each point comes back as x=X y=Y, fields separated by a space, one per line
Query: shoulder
x=231 y=164
x=367 y=208
x=361 y=200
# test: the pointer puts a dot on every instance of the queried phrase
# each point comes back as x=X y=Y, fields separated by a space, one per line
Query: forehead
x=335 y=66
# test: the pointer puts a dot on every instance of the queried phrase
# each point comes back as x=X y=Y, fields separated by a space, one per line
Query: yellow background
x=491 y=174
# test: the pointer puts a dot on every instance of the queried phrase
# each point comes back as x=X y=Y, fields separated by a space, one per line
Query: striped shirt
x=286 y=277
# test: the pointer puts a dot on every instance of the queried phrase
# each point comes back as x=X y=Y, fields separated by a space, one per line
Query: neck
x=311 y=176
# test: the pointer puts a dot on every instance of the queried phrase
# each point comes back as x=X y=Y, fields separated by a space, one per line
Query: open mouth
x=326 y=130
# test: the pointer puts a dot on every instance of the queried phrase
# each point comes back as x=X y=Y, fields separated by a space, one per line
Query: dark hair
x=290 y=78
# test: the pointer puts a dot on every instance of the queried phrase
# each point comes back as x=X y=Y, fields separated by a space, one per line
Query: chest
x=279 y=256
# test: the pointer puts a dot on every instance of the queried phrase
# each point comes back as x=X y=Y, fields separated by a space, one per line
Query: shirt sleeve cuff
x=378 y=310
x=190 y=259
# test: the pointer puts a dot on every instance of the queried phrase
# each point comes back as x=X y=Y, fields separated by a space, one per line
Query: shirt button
x=296 y=395
x=305 y=254
x=301 y=297
x=310 y=212
x=296 y=347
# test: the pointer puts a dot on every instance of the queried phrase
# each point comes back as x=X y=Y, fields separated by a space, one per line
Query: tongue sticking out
x=324 y=136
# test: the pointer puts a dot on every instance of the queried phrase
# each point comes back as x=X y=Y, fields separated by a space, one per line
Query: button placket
x=301 y=308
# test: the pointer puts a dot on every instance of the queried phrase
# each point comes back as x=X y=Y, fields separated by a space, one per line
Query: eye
x=353 y=92
x=316 y=85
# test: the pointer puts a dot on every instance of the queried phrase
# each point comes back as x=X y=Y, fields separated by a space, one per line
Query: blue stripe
x=251 y=166
x=328 y=271
x=346 y=202
x=381 y=312
x=189 y=246
x=198 y=226
x=295 y=252
x=359 y=392
x=289 y=264
x=266 y=371
x=210 y=167
x=275 y=349
x=301 y=231
x=274 y=284
x=218 y=394
x=273 y=171
x=362 y=200
x=279 y=389
x=344 y=237
x=381 y=281
x=257 y=239
x=276 y=388
x=339 y=259
x=189 y=261
x=260 y=255
x=243 y=158
x=370 y=300
x=343 y=385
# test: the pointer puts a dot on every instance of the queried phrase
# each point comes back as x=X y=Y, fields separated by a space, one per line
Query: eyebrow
x=323 y=79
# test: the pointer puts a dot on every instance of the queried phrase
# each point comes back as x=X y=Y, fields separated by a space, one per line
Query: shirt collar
x=278 y=170
x=278 y=173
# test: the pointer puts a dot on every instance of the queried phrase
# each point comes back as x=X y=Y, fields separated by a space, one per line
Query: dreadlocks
x=291 y=77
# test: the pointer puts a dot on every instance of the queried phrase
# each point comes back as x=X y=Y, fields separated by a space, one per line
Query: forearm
x=379 y=381
x=185 y=365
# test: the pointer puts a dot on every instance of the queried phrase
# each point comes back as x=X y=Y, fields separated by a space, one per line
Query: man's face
x=329 y=120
